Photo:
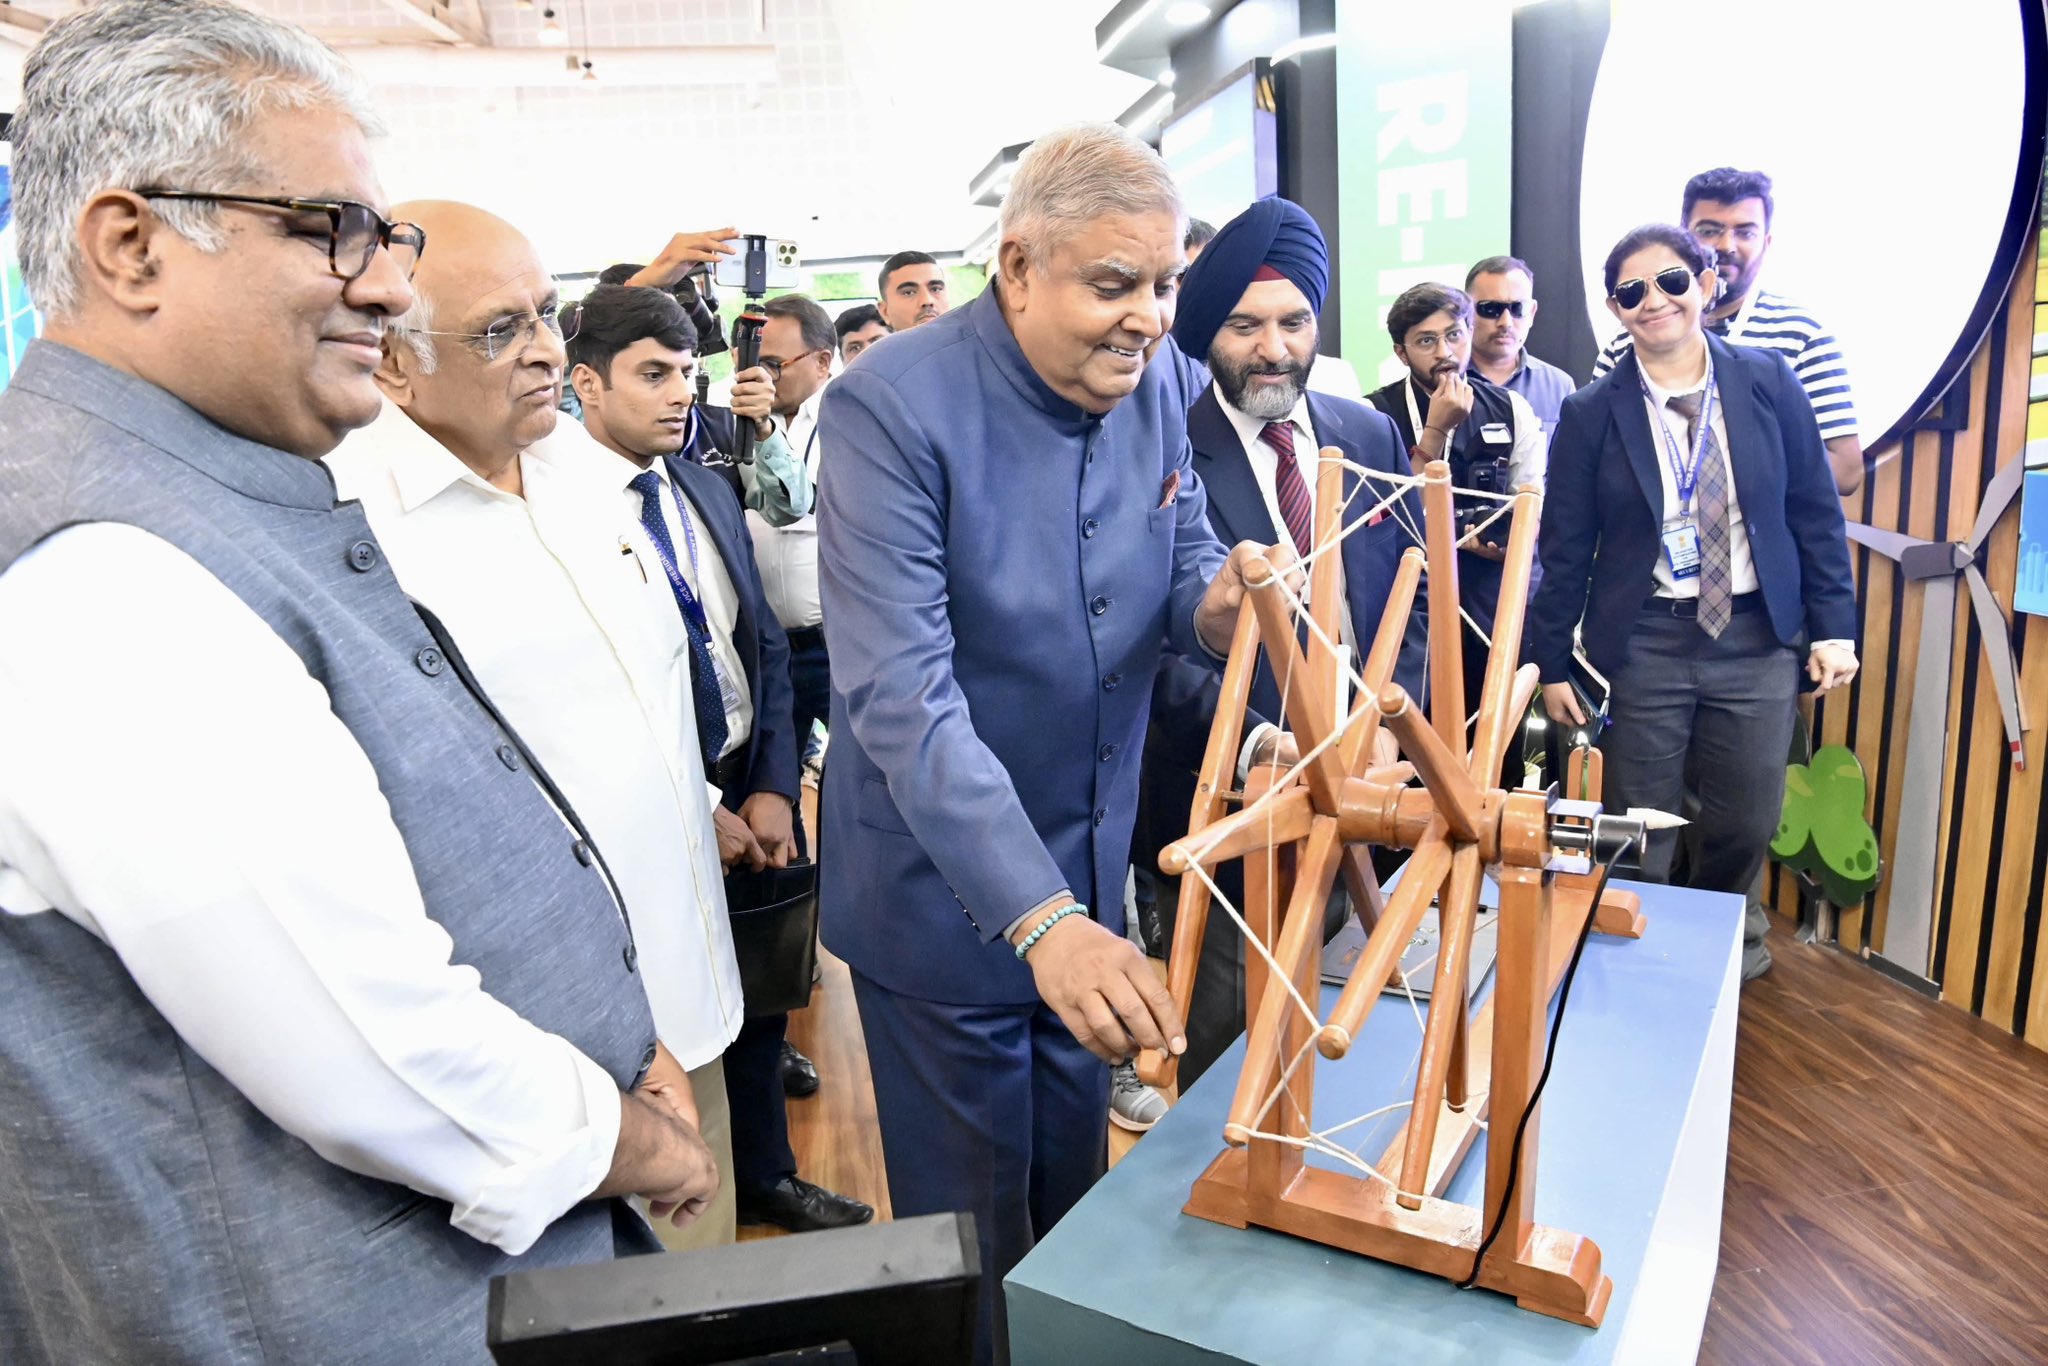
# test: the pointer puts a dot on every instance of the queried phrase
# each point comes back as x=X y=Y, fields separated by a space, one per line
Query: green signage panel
x=1424 y=100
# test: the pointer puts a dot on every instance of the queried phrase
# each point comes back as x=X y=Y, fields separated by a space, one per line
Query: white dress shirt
x=1741 y=563
x=560 y=607
x=704 y=571
x=222 y=831
x=1333 y=375
x=788 y=555
x=1265 y=461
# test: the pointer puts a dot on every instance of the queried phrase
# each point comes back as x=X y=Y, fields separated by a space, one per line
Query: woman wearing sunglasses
x=1691 y=521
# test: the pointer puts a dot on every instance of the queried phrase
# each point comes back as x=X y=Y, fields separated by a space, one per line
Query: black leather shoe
x=797 y=1205
x=799 y=1073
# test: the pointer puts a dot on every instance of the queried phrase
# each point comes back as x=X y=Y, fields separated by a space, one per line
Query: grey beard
x=1269 y=404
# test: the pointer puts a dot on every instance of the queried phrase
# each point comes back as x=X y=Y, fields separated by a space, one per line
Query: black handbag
x=774 y=935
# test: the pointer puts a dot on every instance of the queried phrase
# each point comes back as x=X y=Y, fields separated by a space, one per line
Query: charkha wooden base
x=1555 y=1273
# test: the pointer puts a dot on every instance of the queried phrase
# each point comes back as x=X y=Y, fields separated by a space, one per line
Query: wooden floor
x=1887 y=1197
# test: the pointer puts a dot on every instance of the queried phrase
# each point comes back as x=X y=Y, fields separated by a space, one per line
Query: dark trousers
x=1722 y=710
x=991 y=1109
x=810 y=679
x=761 y=1155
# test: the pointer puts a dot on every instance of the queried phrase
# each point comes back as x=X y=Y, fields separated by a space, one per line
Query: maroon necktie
x=1295 y=507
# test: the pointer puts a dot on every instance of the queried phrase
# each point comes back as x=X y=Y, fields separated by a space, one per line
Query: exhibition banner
x=1424 y=102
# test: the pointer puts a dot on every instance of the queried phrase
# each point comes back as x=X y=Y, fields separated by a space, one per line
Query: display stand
x=1296 y=830
x=1634 y=1153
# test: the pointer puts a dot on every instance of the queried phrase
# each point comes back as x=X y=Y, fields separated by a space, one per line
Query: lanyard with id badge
x=693 y=607
x=1682 y=542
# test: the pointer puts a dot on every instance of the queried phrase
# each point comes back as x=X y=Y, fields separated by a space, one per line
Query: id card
x=728 y=693
x=1682 y=550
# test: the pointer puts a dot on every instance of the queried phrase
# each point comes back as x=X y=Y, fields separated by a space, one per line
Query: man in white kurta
x=558 y=606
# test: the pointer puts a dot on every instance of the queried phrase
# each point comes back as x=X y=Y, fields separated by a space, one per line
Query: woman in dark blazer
x=1691 y=522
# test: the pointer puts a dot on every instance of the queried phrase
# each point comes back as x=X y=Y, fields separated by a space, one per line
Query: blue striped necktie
x=704 y=690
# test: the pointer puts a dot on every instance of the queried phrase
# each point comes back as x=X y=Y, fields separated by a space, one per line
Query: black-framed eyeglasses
x=517 y=331
x=775 y=365
x=354 y=231
x=1673 y=280
x=1491 y=309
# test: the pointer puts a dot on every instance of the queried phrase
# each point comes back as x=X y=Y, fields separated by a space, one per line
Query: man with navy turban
x=1248 y=309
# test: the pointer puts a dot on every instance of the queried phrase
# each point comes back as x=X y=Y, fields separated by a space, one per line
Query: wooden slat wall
x=1990 y=954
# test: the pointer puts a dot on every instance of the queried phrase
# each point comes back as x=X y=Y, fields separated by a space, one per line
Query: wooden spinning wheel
x=1296 y=831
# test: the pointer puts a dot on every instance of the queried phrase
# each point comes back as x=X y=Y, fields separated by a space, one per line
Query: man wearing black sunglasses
x=1503 y=291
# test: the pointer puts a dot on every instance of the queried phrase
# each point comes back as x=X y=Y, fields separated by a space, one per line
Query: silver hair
x=1077 y=174
x=133 y=93
x=414 y=328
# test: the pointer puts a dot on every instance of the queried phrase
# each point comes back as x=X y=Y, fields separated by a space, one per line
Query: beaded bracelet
x=1055 y=918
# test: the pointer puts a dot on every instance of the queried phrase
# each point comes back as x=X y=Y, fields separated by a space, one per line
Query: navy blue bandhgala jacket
x=1000 y=573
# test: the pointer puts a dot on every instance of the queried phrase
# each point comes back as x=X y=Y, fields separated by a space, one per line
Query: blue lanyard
x=692 y=608
x=1687 y=478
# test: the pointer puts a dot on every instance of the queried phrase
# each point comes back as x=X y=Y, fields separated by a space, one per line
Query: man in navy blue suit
x=628 y=363
x=1249 y=307
x=1010 y=534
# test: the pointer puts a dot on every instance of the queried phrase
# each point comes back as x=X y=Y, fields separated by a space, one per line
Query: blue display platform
x=1633 y=1155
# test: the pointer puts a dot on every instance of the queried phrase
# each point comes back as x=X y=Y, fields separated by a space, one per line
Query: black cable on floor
x=1564 y=992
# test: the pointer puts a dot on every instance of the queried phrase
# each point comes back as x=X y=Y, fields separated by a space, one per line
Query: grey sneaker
x=1132 y=1104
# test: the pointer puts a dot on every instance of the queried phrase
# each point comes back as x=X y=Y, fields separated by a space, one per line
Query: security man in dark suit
x=628 y=365
x=1693 y=525
x=1249 y=308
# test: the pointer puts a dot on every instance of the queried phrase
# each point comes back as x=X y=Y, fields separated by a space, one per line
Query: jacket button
x=647 y=1058
x=431 y=661
x=632 y=957
x=1101 y=814
x=509 y=757
x=1108 y=753
x=362 y=557
x=582 y=852
x=1089 y=528
x=1099 y=605
x=1109 y=682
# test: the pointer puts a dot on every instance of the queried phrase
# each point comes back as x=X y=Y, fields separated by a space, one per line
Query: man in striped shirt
x=1730 y=211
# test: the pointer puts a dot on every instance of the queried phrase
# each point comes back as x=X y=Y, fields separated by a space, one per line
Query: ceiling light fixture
x=1152 y=114
x=1126 y=29
x=589 y=72
x=1314 y=43
x=551 y=31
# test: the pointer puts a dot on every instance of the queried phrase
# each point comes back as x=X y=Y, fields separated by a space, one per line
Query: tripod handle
x=746 y=348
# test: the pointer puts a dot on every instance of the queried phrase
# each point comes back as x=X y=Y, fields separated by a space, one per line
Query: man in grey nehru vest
x=315 y=1010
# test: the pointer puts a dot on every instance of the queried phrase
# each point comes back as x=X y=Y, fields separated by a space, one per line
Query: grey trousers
x=1722 y=710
